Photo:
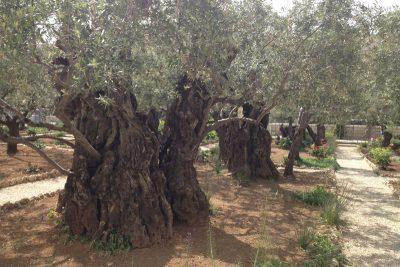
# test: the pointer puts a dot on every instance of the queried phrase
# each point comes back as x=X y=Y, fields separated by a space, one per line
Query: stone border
x=8 y=207
x=32 y=178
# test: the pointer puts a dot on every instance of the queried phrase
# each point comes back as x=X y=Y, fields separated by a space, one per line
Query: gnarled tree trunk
x=124 y=191
x=246 y=148
x=295 y=147
x=13 y=128
x=183 y=133
x=319 y=136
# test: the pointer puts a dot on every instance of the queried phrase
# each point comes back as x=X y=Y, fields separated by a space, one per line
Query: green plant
x=60 y=134
x=324 y=252
x=114 y=243
x=381 y=156
x=39 y=144
x=60 y=143
x=33 y=131
x=32 y=169
x=305 y=237
x=320 y=151
x=320 y=163
x=4 y=130
x=364 y=144
x=333 y=210
x=316 y=197
x=285 y=143
x=271 y=263
x=211 y=136
x=161 y=125
x=210 y=244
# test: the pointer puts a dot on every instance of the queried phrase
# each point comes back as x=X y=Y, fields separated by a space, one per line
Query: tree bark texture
x=246 y=148
x=184 y=131
x=297 y=140
x=123 y=192
x=13 y=128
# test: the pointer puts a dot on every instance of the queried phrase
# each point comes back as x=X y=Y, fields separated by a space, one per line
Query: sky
x=279 y=4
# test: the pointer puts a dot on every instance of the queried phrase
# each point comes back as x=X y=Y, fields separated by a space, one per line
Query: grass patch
x=319 y=163
x=115 y=243
x=316 y=197
x=324 y=252
x=39 y=144
x=33 y=131
x=333 y=210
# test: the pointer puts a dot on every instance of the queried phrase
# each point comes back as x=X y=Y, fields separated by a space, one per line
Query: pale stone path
x=29 y=190
x=372 y=237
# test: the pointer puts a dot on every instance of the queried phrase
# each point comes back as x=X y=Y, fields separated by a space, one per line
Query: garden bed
x=29 y=236
x=28 y=166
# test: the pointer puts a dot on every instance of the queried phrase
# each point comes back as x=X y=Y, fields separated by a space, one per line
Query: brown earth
x=28 y=237
x=278 y=154
x=28 y=166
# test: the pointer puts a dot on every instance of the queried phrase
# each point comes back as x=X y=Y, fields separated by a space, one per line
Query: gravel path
x=29 y=190
x=372 y=237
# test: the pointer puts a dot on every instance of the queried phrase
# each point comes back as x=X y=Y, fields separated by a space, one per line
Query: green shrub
x=320 y=151
x=4 y=130
x=316 y=197
x=305 y=237
x=39 y=144
x=211 y=136
x=115 y=242
x=36 y=130
x=364 y=144
x=60 y=134
x=32 y=169
x=323 y=252
x=161 y=125
x=381 y=156
x=333 y=210
x=285 y=143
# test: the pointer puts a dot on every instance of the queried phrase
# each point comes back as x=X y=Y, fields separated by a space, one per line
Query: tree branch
x=224 y=122
x=19 y=140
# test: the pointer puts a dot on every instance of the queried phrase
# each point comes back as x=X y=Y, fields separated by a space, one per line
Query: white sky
x=279 y=4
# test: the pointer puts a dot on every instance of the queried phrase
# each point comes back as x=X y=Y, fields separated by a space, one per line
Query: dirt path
x=372 y=237
x=29 y=190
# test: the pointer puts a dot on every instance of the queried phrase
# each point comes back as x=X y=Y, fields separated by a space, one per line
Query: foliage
x=33 y=131
x=305 y=237
x=381 y=156
x=115 y=243
x=316 y=197
x=320 y=151
x=285 y=143
x=32 y=169
x=319 y=163
x=271 y=263
x=161 y=125
x=339 y=131
x=324 y=252
x=39 y=144
x=60 y=134
x=211 y=136
x=333 y=210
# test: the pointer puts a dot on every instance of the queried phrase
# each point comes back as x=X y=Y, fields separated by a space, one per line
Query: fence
x=351 y=132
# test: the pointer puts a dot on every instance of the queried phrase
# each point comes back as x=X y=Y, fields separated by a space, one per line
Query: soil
x=28 y=166
x=393 y=170
x=278 y=154
x=29 y=237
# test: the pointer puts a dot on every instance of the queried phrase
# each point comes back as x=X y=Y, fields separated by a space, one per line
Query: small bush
x=320 y=151
x=316 y=197
x=285 y=143
x=333 y=210
x=115 y=242
x=364 y=145
x=323 y=252
x=32 y=169
x=39 y=144
x=211 y=136
x=305 y=237
x=4 y=130
x=60 y=134
x=161 y=125
x=381 y=156
x=33 y=131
